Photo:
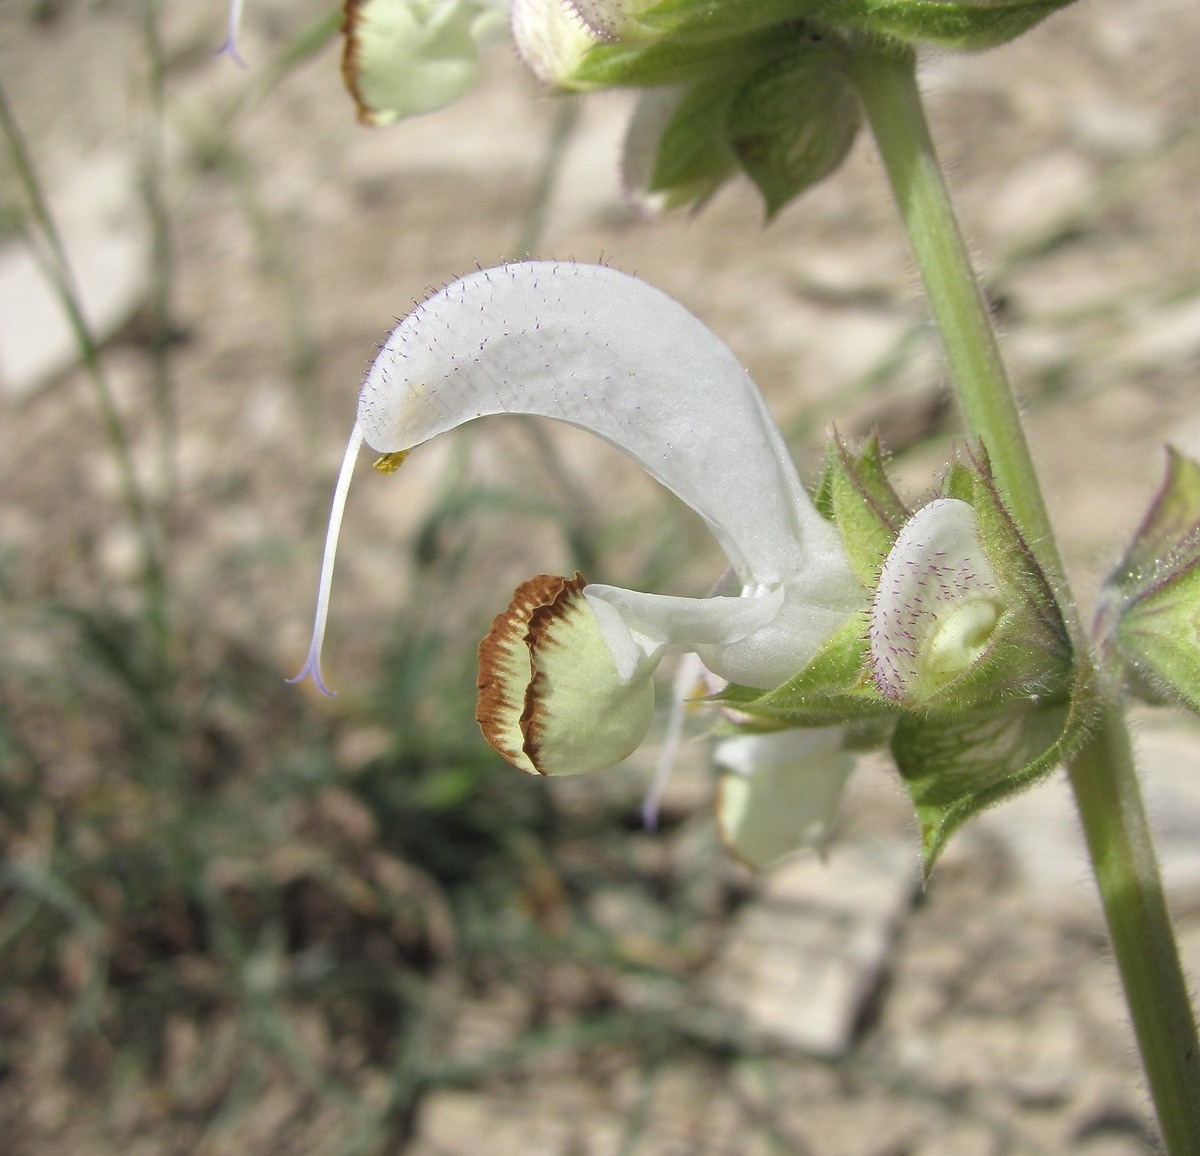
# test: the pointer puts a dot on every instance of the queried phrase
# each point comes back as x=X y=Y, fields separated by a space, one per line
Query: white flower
x=606 y=352
x=409 y=57
x=780 y=793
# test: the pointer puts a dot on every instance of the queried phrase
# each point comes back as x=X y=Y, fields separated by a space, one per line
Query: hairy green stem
x=888 y=88
x=1118 y=836
x=1102 y=772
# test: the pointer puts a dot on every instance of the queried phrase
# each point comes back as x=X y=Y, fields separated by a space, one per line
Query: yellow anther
x=390 y=463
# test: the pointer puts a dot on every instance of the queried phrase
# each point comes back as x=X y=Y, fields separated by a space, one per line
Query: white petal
x=604 y=351
x=552 y=38
x=408 y=57
x=639 y=625
x=782 y=792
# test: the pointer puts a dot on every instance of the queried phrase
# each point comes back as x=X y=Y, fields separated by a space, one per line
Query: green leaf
x=794 y=123
x=835 y=688
x=954 y=768
x=691 y=157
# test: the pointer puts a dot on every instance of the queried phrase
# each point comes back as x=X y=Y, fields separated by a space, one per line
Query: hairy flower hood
x=606 y=352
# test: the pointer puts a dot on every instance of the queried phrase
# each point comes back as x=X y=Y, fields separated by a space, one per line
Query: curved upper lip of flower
x=604 y=351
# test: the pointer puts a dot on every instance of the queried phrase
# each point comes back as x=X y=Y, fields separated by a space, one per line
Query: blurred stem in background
x=46 y=244
x=162 y=326
x=1102 y=773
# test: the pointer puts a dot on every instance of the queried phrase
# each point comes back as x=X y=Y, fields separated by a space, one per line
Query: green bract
x=1150 y=608
x=786 y=119
x=855 y=494
x=958 y=24
x=963 y=657
x=955 y=768
x=760 y=86
x=794 y=121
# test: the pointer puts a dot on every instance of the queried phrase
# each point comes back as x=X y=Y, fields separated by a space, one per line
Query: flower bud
x=963 y=618
x=937 y=606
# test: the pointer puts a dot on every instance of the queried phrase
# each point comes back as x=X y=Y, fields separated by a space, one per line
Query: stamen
x=688 y=683
x=312 y=664
x=230 y=47
x=390 y=463
x=688 y=675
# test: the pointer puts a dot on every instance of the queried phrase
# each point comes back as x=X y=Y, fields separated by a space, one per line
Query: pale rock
x=802 y=960
x=1039 y=196
x=1050 y=1055
x=873 y=270
x=1113 y=127
x=1168 y=335
x=453 y=1123
x=960 y=1138
x=1040 y=352
x=119 y=552
x=268 y=414
x=1041 y=827
x=99 y=219
x=853 y=343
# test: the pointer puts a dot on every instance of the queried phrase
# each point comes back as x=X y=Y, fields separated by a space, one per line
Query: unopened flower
x=963 y=618
x=937 y=605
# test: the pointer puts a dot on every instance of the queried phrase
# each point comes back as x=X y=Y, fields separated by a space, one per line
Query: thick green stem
x=888 y=88
x=1118 y=836
x=1102 y=772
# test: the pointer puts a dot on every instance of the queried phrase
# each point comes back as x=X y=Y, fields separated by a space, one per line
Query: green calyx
x=959 y=24
x=1005 y=644
x=953 y=768
x=1149 y=619
x=962 y=659
x=855 y=494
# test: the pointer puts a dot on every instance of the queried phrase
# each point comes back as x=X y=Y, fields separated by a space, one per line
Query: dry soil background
x=1073 y=156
